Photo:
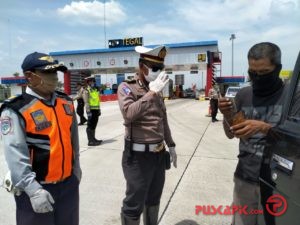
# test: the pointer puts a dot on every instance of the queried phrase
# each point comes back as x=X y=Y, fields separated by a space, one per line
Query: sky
x=60 y=25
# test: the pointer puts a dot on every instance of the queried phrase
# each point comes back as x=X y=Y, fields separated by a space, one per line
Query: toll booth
x=185 y=63
x=14 y=86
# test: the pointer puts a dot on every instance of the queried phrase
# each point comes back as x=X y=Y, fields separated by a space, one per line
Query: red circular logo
x=86 y=63
x=276 y=205
x=112 y=62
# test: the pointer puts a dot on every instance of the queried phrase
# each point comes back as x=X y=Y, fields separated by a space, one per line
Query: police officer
x=213 y=101
x=146 y=129
x=42 y=153
x=80 y=103
x=92 y=105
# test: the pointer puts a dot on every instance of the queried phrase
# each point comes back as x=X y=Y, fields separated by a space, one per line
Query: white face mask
x=151 y=75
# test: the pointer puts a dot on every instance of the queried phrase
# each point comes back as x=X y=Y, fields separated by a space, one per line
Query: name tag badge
x=40 y=120
x=68 y=109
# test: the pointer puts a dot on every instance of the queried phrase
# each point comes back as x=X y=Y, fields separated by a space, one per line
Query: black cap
x=41 y=61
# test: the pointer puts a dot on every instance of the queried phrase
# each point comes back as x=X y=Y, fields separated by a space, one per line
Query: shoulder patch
x=6 y=125
x=126 y=90
x=68 y=109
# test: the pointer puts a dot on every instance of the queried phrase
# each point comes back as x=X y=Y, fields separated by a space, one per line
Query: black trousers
x=214 y=107
x=80 y=110
x=145 y=177
x=93 y=120
x=66 y=206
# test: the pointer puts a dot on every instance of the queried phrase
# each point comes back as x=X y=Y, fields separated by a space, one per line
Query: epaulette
x=12 y=98
x=63 y=95
x=130 y=81
x=11 y=101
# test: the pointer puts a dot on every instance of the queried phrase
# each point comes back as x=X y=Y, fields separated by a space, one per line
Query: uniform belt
x=152 y=147
x=53 y=182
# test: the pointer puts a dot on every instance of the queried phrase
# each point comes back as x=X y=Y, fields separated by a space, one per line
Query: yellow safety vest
x=94 y=100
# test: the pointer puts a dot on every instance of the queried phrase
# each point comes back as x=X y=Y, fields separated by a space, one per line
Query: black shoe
x=98 y=140
x=94 y=143
x=214 y=120
x=82 y=122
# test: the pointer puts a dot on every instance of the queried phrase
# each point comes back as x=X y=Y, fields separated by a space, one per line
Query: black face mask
x=266 y=84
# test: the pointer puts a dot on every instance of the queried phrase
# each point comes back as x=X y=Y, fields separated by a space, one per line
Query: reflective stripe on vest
x=94 y=100
x=48 y=131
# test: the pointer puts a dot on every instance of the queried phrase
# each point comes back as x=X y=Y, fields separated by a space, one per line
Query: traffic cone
x=209 y=111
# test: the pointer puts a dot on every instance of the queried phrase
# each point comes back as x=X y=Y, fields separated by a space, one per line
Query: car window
x=231 y=92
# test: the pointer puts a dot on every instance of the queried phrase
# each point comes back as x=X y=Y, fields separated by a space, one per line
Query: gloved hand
x=159 y=83
x=41 y=201
x=89 y=114
x=173 y=156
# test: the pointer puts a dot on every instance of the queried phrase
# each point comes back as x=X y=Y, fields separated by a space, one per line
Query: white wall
x=15 y=90
x=190 y=79
x=108 y=79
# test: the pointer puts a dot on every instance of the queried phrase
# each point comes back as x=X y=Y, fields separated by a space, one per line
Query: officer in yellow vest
x=91 y=99
x=40 y=137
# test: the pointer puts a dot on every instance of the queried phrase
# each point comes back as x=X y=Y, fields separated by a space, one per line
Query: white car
x=232 y=91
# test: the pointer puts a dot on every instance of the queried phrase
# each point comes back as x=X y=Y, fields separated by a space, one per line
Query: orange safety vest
x=48 y=136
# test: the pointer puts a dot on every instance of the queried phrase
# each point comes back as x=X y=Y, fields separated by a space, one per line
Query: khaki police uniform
x=144 y=156
x=80 y=105
x=213 y=95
